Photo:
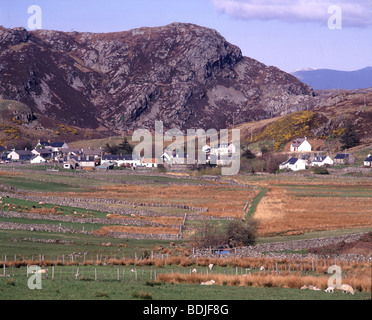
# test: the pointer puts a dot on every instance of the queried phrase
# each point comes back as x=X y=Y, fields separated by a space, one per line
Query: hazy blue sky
x=289 y=34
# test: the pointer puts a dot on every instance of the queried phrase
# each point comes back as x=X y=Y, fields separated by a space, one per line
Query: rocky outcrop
x=185 y=75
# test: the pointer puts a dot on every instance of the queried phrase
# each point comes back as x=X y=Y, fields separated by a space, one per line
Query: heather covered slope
x=183 y=74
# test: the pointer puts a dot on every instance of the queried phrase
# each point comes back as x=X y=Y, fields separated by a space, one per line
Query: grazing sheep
x=211 y=266
x=329 y=290
x=194 y=270
x=310 y=287
x=41 y=203
x=208 y=283
x=262 y=268
x=347 y=288
x=109 y=216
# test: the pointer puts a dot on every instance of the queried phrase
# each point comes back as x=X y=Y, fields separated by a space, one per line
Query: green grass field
x=121 y=284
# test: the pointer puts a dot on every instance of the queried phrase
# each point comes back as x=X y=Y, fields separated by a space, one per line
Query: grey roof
x=369 y=159
x=319 y=159
x=57 y=144
x=24 y=152
x=291 y=161
x=342 y=156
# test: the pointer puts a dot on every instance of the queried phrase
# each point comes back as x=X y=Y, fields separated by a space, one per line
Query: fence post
x=95 y=274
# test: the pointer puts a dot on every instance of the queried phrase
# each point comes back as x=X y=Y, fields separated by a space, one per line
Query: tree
x=349 y=138
x=238 y=233
x=248 y=154
x=125 y=147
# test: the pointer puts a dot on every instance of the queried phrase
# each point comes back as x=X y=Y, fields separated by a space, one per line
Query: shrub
x=320 y=170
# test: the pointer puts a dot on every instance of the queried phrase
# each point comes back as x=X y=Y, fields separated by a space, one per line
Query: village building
x=126 y=160
x=20 y=155
x=294 y=164
x=45 y=153
x=300 y=145
x=368 y=161
x=37 y=159
x=343 y=158
x=322 y=161
x=149 y=162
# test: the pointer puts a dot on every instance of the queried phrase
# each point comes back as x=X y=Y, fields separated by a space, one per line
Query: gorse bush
x=294 y=125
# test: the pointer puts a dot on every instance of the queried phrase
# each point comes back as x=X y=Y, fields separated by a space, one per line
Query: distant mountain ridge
x=320 y=79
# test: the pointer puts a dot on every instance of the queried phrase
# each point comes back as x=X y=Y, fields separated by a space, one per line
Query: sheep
x=194 y=270
x=108 y=216
x=310 y=287
x=329 y=290
x=262 y=268
x=347 y=288
x=208 y=283
x=41 y=203
x=211 y=266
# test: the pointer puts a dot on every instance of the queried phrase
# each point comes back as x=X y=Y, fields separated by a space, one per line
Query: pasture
x=105 y=225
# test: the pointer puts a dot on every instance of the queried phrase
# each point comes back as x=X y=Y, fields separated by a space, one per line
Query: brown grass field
x=221 y=200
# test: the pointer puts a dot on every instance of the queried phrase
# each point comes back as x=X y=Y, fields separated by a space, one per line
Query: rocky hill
x=185 y=75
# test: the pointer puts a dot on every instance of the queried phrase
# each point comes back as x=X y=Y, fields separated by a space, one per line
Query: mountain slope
x=185 y=75
x=333 y=79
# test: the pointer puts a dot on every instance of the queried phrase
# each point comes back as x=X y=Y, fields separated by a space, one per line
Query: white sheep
x=211 y=266
x=262 y=268
x=208 y=283
x=329 y=290
x=194 y=270
x=41 y=203
x=347 y=288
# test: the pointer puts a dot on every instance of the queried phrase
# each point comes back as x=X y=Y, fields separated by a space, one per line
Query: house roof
x=342 y=156
x=43 y=151
x=36 y=156
x=57 y=144
x=291 y=161
x=319 y=159
x=24 y=152
x=109 y=157
x=150 y=160
x=298 y=142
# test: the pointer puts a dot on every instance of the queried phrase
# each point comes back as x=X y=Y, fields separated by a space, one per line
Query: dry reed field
x=221 y=200
x=288 y=211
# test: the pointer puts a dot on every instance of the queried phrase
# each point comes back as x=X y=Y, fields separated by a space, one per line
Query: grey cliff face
x=185 y=75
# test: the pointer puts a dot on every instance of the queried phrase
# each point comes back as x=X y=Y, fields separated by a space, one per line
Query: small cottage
x=37 y=159
x=300 y=145
x=20 y=155
x=344 y=158
x=322 y=161
x=368 y=161
x=294 y=164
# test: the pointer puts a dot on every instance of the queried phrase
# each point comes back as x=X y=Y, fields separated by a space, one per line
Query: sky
x=288 y=34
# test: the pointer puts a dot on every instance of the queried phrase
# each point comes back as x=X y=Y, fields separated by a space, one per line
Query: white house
x=37 y=159
x=45 y=153
x=321 y=161
x=20 y=155
x=87 y=162
x=368 y=161
x=149 y=163
x=119 y=161
x=223 y=149
x=301 y=145
x=294 y=164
